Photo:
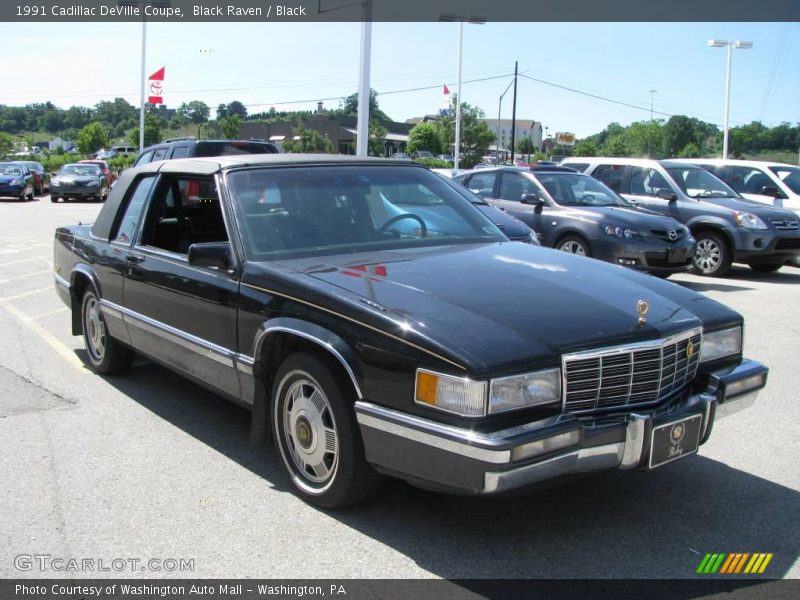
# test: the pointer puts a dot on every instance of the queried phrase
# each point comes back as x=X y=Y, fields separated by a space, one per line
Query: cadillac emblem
x=689 y=349
x=642 y=306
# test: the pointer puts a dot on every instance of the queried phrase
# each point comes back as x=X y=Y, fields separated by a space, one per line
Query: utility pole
x=362 y=122
x=514 y=112
x=652 y=92
x=457 y=157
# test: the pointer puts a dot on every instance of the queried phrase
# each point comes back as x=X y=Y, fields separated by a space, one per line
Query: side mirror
x=211 y=255
x=534 y=199
x=666 y=194
x=770 y=191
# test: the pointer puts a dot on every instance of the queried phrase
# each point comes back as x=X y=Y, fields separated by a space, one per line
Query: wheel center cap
x=303 y=431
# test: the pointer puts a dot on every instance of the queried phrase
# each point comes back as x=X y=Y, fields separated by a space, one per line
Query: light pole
x=499 y=109
x=362 y=123
x=742 y=45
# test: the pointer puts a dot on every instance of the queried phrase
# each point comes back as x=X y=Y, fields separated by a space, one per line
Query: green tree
x=646 y=138
x=152 y=131
x=425 y=136
x=230 y=126
x=237 y=108
x=690 y=150
x=53 y=121
x=376 y=146
x=222 y=112
x=585 y=148
x=476 y=136
x=309 y=141
x=6 y=144
x=616 y=146
x=350 y=107
x=195 y=112
x=526 y=146
x=91 y=138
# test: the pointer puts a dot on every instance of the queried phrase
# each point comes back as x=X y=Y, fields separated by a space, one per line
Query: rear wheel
x=766 y=267
x=315 y=431
x=106 y=355
x=574 y=244
x=31 y=195
x=713 y=257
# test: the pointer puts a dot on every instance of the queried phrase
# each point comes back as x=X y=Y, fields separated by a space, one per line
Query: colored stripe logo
x=734 y=563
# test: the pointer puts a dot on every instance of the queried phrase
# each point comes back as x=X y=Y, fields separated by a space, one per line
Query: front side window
x=749 y=180
x=144 y=159
x=514 y=185
x=699 y=183
x=308 y=211
x=647 y=182
x=569 y=189
x=482 y=184
x=790 y=176
x=127 y=227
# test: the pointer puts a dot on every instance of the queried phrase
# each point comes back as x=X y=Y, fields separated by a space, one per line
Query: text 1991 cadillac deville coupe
x=378 y=323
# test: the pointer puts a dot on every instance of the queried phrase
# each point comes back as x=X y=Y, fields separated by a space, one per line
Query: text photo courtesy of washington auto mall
x=444 y=299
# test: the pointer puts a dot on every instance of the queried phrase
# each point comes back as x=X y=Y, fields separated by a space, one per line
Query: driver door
x=509 y=198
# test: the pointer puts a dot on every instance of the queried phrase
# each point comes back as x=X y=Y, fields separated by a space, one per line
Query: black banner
x=178 y=11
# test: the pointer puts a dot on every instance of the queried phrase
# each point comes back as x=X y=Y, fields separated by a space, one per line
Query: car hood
x=511 y=227
x=633 y=217
x=493 y=307
x=744 y=205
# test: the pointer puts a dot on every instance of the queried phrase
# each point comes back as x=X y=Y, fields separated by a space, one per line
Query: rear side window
x=228 y=148
x=180 y=152
x=159 y=154
x=579 y=167
x=127 y=226
x=611 y=175
x=482 y=184
x=144 y=159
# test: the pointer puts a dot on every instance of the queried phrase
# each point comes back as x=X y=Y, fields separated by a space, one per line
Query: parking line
x=26 y=276
x=31 y=293
x=47 y=314
x=45 y=258
x=48 y=338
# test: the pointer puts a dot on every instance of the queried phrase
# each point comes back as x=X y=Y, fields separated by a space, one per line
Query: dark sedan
x=578 y=214
x=16 y=180
x=41 y=178
x=79 y=181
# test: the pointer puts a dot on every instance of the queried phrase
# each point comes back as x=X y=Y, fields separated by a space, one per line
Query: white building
x=524 y=128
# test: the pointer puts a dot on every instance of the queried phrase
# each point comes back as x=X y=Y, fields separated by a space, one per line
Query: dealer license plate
x=675 y=440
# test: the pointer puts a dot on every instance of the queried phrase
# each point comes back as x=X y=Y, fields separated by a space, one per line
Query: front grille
x=787 y=224
x=664 y=234
x=633 y=375
x=788 y=244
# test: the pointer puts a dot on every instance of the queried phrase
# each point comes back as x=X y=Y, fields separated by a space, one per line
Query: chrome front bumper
x=441 y=456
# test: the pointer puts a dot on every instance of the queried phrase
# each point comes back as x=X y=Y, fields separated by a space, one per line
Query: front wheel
x=713 y=257
x=575 y=245
x=315 y=431
x=106 y=355
x=766 y=267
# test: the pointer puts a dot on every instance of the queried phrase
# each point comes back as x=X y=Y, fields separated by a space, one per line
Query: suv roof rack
x=179 y=139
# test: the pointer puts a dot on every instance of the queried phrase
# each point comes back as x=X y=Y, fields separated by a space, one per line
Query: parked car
x=79 y=181
x=448 y=157
x=41 y=178
x=514 y=229
x=122 y=149
x=107 y=173
x=400 y=156
x=776 y=184
x=190 y=148
x=440 y=353
x=421 y=154
x=16 y=180
x=727 y=227
x=572 y=212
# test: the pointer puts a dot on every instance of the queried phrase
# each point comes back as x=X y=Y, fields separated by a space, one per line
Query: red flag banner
x=156 y=87
x=446 y=90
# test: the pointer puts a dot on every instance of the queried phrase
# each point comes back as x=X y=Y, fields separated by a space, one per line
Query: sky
x=291 y=66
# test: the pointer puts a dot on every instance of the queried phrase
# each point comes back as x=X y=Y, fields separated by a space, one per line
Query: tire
x=574 y=244
x=22 y=196
x=713 y=257
x=766 y=267
x=31 y=195
x=53 y=198
x=337 y=474
x=794 y=262
x=106 y=355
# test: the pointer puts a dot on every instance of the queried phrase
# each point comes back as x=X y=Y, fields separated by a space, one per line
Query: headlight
x=17 y=182
x=522 y=391
x=749 y=221
x=532 y=239
x=94 y=183
x=722 y=343
x=459 y=395
x=620 y=232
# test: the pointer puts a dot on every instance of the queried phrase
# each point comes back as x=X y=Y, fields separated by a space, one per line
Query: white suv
x=772 y=183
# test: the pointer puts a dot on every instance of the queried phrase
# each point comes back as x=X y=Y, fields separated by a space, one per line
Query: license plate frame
x=674 y=440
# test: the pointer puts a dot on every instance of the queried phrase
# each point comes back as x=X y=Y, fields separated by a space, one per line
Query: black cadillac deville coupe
x=379 y=324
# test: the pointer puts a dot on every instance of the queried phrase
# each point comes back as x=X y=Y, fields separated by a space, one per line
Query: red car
x=110 y=177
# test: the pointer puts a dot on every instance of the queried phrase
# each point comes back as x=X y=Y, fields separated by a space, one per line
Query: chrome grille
x=787 y=224
x=630 y=375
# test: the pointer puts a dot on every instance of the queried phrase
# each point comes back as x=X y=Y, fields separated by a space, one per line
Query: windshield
x=570 y=189
x=308 y=211
x=790 y=176
x=80 y=170
x=10 y=170
x=699 y=183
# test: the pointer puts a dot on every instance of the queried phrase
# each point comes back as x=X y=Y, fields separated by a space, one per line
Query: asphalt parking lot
x=150 y=466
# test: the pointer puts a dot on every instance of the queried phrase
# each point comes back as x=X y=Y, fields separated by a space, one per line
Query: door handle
x=134 y=258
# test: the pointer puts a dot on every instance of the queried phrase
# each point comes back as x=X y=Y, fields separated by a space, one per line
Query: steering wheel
x=588 y=198
x=396 y=218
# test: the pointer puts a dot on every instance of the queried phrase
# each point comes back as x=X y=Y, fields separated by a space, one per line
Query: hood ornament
x=642 y=306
